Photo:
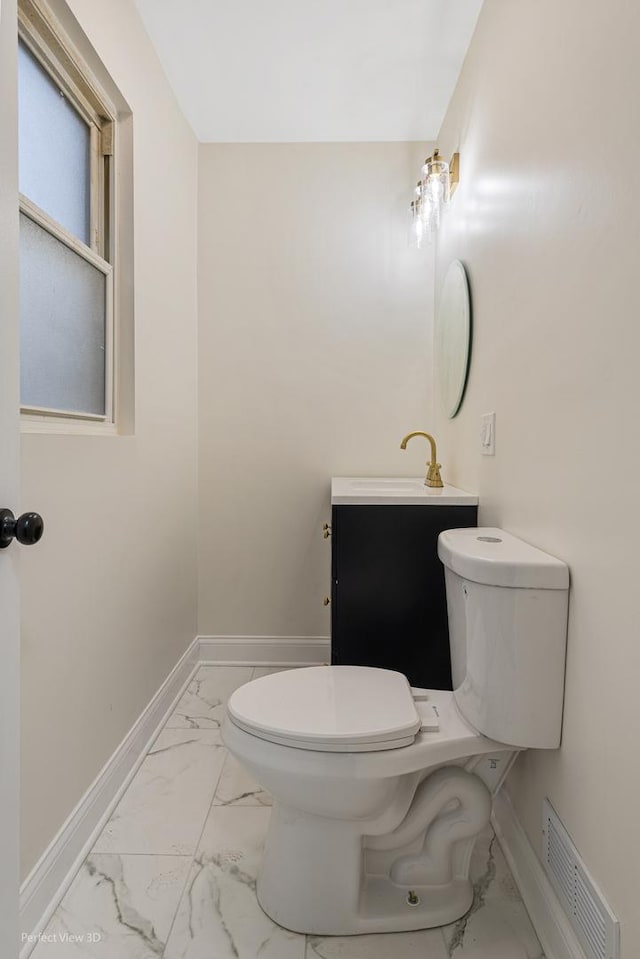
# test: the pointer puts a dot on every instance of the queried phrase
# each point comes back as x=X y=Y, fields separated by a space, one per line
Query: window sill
x=64 y=425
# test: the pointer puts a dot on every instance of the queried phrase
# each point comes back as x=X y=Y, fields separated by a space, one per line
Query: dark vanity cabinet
x=388 y=604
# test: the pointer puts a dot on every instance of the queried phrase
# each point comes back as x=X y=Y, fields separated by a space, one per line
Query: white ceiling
x=312 y=70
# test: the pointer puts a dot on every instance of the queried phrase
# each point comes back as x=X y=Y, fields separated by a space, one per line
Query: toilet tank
x=507 y=603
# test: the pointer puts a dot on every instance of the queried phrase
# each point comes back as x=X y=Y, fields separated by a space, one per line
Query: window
x=66 y=141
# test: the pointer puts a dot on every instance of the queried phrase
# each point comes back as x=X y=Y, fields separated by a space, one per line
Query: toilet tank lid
x=496 y=558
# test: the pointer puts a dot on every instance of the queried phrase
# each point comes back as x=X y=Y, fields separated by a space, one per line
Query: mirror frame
x=462 y=306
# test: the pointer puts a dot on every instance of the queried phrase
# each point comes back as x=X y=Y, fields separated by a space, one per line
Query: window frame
x=46 y=41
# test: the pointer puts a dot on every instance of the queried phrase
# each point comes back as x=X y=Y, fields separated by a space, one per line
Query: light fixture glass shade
x=435 y=180
x=424 y=217
x=417 y=227
x=430 y=211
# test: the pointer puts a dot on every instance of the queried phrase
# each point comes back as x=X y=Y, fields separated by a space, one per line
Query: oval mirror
x=453 y=337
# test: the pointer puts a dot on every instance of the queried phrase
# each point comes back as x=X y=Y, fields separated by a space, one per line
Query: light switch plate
x=488 y=434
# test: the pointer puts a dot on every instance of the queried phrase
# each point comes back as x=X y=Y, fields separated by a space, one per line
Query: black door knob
x=27 y=529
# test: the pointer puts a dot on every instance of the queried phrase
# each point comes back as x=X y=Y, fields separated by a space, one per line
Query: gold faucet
x=433 y=477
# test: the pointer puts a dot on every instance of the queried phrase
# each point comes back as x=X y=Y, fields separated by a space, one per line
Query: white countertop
x=395 y=491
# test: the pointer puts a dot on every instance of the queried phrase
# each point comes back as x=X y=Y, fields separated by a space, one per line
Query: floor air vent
x=594 y=923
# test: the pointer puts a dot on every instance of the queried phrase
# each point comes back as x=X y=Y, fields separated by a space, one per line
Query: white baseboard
x=265 y=650
x=549 y=919
x=46 y=883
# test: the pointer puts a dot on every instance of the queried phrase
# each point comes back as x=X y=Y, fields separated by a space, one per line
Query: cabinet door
x=388 y=595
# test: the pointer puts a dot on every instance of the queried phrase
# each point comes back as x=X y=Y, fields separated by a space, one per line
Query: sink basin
x=395 y=491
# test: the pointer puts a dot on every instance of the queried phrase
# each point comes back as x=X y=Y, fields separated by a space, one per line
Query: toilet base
x=386 y=909
x=313 y=881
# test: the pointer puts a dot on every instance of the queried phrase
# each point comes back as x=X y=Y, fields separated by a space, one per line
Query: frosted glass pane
x=55 y=151
x=62 y=325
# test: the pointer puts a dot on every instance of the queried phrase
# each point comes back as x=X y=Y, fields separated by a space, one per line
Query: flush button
x=488 y=539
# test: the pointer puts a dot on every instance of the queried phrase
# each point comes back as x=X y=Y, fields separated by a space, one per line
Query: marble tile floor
x=173 y=873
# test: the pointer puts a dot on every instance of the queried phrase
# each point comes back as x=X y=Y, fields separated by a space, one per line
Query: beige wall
x=315 y=331
x=546 y=221
x=110 y=593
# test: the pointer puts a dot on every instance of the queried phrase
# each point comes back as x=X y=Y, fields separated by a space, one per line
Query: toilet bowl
x=378 y=798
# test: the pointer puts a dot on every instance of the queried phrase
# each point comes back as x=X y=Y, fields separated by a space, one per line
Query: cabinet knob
x=326 y=531
x=326 y=601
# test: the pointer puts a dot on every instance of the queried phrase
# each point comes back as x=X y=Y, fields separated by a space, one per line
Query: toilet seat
x=328 y=709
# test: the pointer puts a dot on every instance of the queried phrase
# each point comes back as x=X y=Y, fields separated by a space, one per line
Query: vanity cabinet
x=388 y=603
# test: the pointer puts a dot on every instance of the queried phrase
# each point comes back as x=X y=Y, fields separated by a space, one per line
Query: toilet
x=380 y=790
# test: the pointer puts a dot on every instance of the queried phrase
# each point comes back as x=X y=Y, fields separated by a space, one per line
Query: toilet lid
x=328 y=708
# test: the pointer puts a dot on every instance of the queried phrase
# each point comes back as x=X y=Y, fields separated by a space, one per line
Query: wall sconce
x=435 y=188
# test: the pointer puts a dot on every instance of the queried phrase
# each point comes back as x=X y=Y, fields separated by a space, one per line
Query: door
x=9 y=480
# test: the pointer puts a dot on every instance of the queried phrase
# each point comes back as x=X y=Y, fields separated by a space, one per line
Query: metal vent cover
x=595 y=925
